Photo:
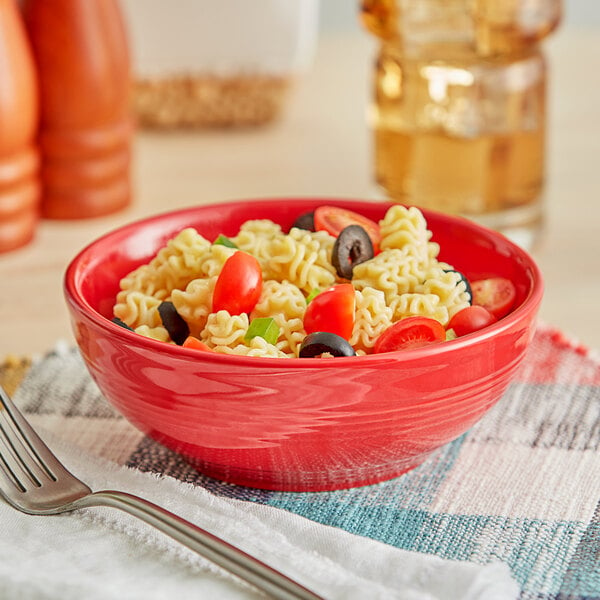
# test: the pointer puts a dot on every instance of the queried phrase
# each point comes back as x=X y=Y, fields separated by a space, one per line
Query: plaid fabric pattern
x=522 y=486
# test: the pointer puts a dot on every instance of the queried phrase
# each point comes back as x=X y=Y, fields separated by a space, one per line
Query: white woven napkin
x=104 y=553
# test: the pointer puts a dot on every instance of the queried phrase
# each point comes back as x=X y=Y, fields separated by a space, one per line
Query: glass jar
x=459 y=111
x=199 y=63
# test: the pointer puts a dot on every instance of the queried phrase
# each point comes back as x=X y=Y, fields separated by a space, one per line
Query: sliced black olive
x=315 y=344
x=305 y=221
x=173 y=322
x=467 y=284
x=120 y=323
x=352 y=246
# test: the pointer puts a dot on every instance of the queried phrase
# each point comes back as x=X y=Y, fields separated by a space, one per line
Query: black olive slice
x=121 y=323
x=467 y=284
x=315 y=344
x=305 y=221
x=352 y=247
x=173 y=322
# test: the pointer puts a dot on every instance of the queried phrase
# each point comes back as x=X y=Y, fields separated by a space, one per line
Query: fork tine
x=24 y=452
x=10 y=479
x=23 y=474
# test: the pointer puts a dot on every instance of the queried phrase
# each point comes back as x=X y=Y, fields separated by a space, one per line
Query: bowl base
x=307 y=481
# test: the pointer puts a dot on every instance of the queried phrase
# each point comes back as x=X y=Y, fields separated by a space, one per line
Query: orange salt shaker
x=19 y=160
x=82 y=55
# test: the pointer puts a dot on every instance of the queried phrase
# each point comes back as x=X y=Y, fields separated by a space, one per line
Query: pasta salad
x=335 y=284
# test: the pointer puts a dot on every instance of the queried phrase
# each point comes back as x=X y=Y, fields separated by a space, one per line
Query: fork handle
x=220 y=552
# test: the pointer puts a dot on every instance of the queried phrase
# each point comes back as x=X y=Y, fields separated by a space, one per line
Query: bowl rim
x=76 y=300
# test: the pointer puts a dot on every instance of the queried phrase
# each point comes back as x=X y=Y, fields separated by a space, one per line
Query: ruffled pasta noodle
x=448 y=286
x=372 y=318
x=280 y=297
x=301 y=258
x=418 y=304
x=256 y=347
x=136 y=309
x=391 y=271
x=406 y=229
x=254 y=237
x=321 y=241
x=195 y=302
x=223 y=329
x=174 y=266
x=156 y=333
x=211 y=262
x=291 y=334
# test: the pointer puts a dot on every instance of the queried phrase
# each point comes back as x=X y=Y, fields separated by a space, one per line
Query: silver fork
x=35 y=482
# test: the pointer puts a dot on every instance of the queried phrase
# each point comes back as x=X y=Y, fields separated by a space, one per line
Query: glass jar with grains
x=199 y=63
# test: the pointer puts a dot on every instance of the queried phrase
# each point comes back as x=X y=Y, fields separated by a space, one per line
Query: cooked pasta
x=448 y=286
x=415 y=304
x=223 y=329
x=257 y=346
x=372 y=318
x=291 y=334
x=137 y=308
x=156 y=333
x=300 y=258
x=280 y=297
x=392 y=271
x=406 y=229
x=195 y=302
x=404 y=279
x=254 y=237
x=174 y=266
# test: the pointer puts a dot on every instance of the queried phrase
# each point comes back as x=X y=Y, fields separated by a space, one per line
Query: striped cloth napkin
x=520 y=489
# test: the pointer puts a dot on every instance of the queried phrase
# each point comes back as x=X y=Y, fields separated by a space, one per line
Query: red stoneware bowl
x=299 y=424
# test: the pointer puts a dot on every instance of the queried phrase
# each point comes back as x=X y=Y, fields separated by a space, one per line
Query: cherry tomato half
x=332 y=310
x=497 y=294
x=410 y=332
x=470 y=319
x=333 y=220
x=239 y=284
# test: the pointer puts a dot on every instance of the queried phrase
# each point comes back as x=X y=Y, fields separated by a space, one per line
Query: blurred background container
x=85 y=129
x=459 y=107
x=200 y=63
x=19 y=114
x=340 y=15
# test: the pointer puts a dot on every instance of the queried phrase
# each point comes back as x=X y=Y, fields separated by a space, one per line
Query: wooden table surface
x=322 y=147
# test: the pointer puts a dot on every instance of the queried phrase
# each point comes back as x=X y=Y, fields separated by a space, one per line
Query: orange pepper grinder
x=83 y=62
x=19 y=158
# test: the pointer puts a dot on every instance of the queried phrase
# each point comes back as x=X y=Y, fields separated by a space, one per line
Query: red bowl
x=299 y=424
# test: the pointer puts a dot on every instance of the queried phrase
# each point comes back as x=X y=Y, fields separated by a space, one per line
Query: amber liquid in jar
x=459 y=110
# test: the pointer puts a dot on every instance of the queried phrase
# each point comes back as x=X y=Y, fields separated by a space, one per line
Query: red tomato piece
x=239 y=284
x=195 y=343
x=332 y=310
x=470 y=319
x=497 y=294
x=333 y=219
x=410 y=332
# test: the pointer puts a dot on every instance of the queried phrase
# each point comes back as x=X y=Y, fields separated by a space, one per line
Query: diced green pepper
x=264 y=327
x=223 y=240
x=314 y=292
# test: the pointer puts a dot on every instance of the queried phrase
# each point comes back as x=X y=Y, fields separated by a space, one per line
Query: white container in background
x=200 y=63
